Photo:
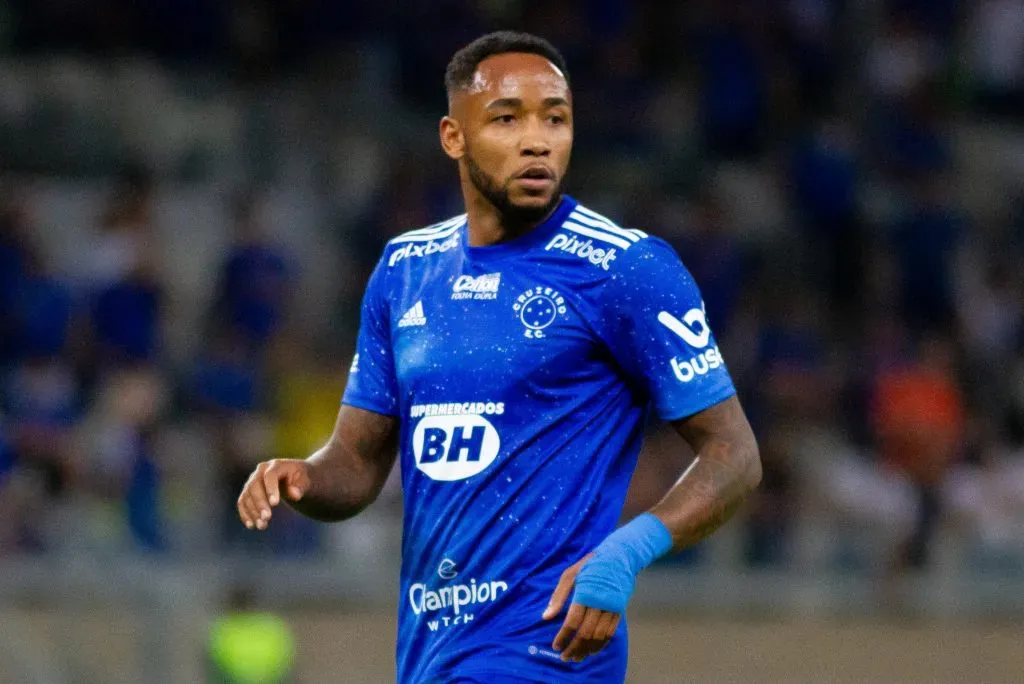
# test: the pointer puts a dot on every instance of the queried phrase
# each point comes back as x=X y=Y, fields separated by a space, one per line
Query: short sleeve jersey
x=522 y=375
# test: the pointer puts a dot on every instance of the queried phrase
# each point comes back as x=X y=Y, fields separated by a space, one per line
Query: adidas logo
x=413 y=316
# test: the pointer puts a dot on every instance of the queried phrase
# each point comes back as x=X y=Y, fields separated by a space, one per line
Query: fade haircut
x=459 y=74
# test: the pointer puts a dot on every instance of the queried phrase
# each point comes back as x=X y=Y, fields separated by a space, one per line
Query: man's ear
x=453 y=141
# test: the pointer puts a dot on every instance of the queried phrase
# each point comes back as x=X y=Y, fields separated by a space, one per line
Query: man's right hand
x=264 y=489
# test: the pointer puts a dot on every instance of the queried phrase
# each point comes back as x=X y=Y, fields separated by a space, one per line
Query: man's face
x=516 y=126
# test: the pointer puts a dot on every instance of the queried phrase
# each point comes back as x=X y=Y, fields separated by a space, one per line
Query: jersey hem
x=504 y=675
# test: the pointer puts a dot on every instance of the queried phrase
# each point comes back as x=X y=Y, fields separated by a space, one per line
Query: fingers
x=271 y=479
x=247 y=510
x=560 y=594
x=572 y=622
x=296 y=483
x=585 y=632
x=258 y=497
x=565 y=584
x=604 y=629
x=581 y=645
x=260 y=494
x=243 y=513
x=615 y=625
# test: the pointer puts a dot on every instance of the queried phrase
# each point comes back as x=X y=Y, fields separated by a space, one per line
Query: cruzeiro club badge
x=538 y=308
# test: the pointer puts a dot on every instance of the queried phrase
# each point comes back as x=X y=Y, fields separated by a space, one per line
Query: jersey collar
x=523 y=243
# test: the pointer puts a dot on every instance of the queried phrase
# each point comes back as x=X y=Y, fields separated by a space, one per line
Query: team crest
x=538 y=308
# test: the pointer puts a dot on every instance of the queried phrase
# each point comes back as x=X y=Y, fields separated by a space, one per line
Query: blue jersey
x=522 y=374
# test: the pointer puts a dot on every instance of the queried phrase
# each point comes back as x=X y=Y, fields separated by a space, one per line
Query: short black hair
x=461 y=68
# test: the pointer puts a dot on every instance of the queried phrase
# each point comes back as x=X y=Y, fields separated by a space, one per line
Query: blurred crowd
x=808 y=159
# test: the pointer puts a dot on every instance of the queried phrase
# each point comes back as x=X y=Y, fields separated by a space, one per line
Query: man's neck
x=488 y=226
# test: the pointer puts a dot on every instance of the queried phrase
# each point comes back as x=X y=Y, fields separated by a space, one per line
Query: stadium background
x=193 y=192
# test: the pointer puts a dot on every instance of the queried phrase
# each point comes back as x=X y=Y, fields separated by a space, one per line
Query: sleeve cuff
x=371 y=405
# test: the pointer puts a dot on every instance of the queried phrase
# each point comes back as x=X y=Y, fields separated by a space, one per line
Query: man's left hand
x=585 y=630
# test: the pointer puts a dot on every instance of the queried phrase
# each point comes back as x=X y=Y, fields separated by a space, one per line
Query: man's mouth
x=536 y=177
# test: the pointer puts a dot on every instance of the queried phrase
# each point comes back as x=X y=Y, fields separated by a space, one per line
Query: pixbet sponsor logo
x=538 y=308
x=454 y=447
x=479 y=287
x=414 y=249
x=584 y=249
x=457 y=597
x=694 y=330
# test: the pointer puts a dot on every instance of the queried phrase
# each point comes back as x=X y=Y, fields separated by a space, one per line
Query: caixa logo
x=449 y=448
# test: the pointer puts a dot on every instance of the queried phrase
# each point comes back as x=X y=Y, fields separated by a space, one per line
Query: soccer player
x=509 y=356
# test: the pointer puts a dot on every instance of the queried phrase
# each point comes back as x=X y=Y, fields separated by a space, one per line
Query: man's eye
x=505 y=118
x=557 y=120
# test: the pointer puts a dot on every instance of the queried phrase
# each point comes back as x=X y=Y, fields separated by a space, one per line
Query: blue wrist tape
x=606 y=580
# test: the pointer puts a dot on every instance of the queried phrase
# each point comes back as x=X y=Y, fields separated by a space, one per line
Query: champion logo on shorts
x=413 y=316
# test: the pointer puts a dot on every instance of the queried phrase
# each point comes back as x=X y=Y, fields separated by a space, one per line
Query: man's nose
x=534 y=142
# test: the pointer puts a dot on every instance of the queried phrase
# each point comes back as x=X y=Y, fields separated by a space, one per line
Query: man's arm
x=335 y=483
x=727 y=468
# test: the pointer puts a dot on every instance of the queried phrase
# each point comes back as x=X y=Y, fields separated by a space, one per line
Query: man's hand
x=585 y=631
x=263 y=490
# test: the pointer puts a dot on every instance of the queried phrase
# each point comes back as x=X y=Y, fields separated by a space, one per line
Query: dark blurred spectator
x=920 y=419
x=227 y=394
x=911 y=136
x=997 y=56
x=902 y=58
x=255 y=277
x=12 y=519
x=620 y=129
x=824 y=178
x=125 y=239
x=884 y=343
x=18 y=257
x=227 y=378
x=925 y=241
x=126 y=318
x=15 y=232
x=772 y=506
x=40 y=399
x=937 y=18
x=990 y=289
x=793 y=382
x=734 y=81
x=811 y=46
x=121 y=464
x=39 y=312
x=424 y=54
